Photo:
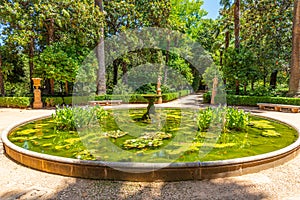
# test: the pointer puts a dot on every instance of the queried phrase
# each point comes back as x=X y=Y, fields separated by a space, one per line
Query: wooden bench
x=105 y=102
x=278 y=107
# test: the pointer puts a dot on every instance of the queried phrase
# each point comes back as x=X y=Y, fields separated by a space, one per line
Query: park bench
x=278 y=107
x=105 y=102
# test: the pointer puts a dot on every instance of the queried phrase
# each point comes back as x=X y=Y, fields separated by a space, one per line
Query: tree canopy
x=250 y=42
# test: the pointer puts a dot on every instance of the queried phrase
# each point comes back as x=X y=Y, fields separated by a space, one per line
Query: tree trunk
x=237 y=23
x=31 y=63
x=221 y=58
x=50 y=40
x=2 y=89
x=237 y=87
x=125 y=76
x=227 y=39
x=273 y=79
x=52 y=86
x=100 y=54
x=66 y=88
x=115 y=72
x=167 y=61
x=237 y=36
x=295 y=63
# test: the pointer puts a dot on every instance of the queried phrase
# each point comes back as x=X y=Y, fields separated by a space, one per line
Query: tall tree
x=2 y=89
x=236 y=13
x=237 y=37
x=237 y=24
x=295 y=63
x=100 y=54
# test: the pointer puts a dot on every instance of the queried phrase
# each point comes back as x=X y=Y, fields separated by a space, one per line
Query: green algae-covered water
x=170 y=136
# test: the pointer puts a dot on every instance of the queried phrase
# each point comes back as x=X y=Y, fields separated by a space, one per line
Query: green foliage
x=224 y=118
x=71 y=118
x=253 y=100
x=54 y=63
x=239 y=65
x=204 y=119
x=53 y=101
x=240 y=100
x=148 y=140
x=185 y=15
x=15 y=102
x=138 y=98
x=210 y=73
x=236 y=119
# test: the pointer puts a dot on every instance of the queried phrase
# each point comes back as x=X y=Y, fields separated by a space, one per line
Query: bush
x=253 y=100
x=70 y=118
x=207 y=97
x=224 y=118
x=238 y=100
x=53 y=101
x=236 y=119
x=131 y=98
x=170 y=96
x=15 y=102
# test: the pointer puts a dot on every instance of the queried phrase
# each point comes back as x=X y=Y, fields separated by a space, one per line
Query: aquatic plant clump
x=148 y=140
x=230 y=118
x=72 y=118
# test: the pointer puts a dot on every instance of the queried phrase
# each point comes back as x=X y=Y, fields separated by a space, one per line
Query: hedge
x=15 y=102
x=132 y=98
x=237 y=100
x=252 y=100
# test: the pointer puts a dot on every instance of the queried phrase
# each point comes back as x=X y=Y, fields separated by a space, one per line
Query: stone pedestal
x=214 y=91
x=37 y=103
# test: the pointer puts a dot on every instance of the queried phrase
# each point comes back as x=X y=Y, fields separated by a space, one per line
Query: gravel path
x=19 y=182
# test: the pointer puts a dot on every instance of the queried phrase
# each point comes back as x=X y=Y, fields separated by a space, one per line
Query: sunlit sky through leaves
x=212 y=7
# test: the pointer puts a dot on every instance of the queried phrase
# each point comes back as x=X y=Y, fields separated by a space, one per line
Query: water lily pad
x=49 y=136
x=116 y=134
x=72 y=140
x=270 y=133
x=18 y=139
x=47 y=145
x=25 y=132
x=225 y=145
x=59 y=147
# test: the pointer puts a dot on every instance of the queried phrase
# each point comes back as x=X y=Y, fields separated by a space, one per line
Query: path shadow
x=185 y=190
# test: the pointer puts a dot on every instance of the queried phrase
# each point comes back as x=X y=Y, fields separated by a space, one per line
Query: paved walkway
x=19 y=182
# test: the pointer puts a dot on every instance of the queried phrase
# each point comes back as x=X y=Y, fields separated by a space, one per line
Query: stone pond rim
x=145 y=171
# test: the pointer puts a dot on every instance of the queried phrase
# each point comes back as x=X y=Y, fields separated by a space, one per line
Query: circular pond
x=128 y=148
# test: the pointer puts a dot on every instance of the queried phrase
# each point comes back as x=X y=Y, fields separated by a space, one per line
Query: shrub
x=207 y=97
x=170 y=96
x=204 y=119
x=224 y=118
x=15 y=102
x=253 y=100
x=53 y=101
x=238 y=100
x=70 y=118
x=236 y=119
x=130 y=98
